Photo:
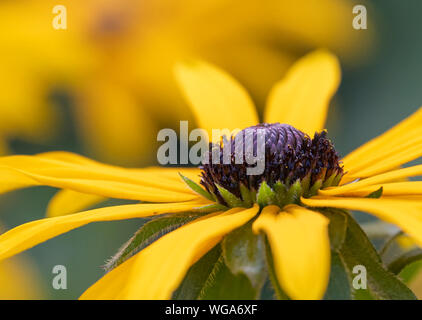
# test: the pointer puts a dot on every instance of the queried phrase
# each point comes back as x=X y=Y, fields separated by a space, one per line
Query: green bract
x=279 y=194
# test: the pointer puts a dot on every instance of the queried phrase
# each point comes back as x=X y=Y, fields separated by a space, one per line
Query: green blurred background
x=381 y=85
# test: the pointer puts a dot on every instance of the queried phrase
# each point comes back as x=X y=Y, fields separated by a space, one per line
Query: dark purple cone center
x=290 y=155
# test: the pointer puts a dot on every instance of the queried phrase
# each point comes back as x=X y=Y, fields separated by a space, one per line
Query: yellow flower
x=115 y=60
x=297 y=232
x=19 y=279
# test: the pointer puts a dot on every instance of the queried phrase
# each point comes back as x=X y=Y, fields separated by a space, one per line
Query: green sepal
x=306 y=183
x=329 y=182
x=280 y=192
x=244 y=253
x=265 y=195
x=337 y=179
x=294 y=193
x=376 y=194
x=197 y=188
x=231 y=200
x=148 y=233
x=314 y=189
x=246 y=196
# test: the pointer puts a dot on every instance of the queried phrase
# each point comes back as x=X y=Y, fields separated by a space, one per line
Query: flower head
x=298 y=203
x=292 y=159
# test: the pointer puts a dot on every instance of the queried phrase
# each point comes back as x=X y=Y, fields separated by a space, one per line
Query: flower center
x=295 y=165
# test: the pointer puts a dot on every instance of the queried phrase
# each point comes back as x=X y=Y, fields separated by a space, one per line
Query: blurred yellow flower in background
x=19 y=279
x=115 y=57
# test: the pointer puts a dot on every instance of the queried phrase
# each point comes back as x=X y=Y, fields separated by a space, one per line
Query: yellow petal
x=375 y=180
x=397 y=146
x=103 y=180
x=156 y=271
x=69 y=201
x=172 y=174
x=109 y=189
x=410 y=198
x=301 y=249
x=302 y=98
x=162 y=172
x=389 y=189
x=32 y=233
x=216 y=99
x=404 y=213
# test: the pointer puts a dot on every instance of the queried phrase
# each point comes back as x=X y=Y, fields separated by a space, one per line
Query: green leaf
x=337 y=228
x=339 y=285
x=396 y=257
x=197 y=275
x=244 y=253
x=278 y=291
x=389 y=246
x=411 y=271
x=222 y=284
x=381 y=283
x=197 y=188
x=408 y=257
x=210 y=278
x=148 y=233
x=231 y=200
x=376 y=194
x=266 y=195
